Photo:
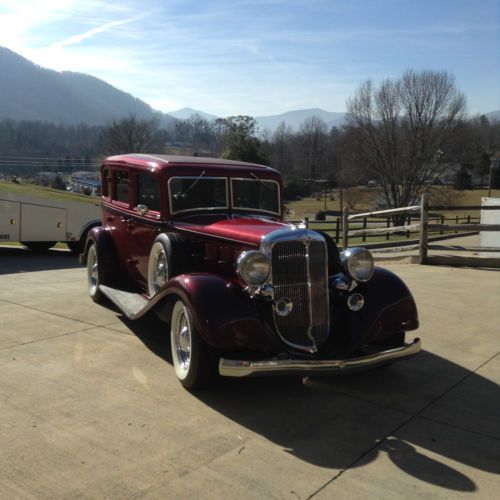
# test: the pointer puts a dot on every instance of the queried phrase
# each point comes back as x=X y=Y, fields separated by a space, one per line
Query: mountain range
x=292 y=118
x=30 y=92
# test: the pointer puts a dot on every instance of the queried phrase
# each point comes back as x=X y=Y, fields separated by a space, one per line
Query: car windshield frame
x=256 y=209
x=195 y=179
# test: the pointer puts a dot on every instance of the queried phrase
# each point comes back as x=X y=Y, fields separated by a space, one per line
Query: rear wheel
x=93 y=275
x=195 y=362
x=38 y=246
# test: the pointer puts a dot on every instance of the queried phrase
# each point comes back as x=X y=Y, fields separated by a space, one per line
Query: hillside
x=30 y=92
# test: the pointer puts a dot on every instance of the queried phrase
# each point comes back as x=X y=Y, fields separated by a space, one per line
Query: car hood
x=240 y=229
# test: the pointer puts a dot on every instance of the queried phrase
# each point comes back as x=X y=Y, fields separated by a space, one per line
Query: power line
x=46 y=158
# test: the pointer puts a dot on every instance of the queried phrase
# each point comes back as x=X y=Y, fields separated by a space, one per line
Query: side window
x=122 y=186
x=107 y=182
x=148 y=191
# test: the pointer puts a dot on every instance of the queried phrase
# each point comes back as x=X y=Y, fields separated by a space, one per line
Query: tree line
x=401 y=134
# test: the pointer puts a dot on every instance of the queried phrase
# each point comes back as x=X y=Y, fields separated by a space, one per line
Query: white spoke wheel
x=159 y=271
x=194 y=361
x=93 y=274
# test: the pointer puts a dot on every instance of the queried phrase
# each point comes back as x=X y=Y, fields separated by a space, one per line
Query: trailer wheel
x=75 y=247
x=38 y=246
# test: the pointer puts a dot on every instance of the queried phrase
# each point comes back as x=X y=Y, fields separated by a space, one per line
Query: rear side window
x=122 y=186
x=107 y=182
x=148 y=191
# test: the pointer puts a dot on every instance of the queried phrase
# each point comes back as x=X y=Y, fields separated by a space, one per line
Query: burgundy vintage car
x=202 y=243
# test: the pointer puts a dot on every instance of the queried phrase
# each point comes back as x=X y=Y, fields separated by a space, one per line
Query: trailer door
x=10 y=218
x=41 y=223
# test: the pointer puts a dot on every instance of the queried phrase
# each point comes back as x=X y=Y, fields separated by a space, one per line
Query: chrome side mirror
x=142 y=209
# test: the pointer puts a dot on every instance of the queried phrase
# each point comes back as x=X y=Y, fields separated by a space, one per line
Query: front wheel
x=195 y=362
x=93 y=275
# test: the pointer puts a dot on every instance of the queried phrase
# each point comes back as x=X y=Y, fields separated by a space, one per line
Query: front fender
x=224 y=315
x=389 y=309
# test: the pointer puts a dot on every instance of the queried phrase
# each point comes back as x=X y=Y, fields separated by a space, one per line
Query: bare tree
x=401 y=128
x=282 y=155
x=313 y=140
x=131 y=135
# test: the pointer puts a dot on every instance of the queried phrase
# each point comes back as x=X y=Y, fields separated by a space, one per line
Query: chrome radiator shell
x=299 y=273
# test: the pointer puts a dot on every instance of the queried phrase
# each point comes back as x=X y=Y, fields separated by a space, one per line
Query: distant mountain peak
x=185 y=113
x=294 y=119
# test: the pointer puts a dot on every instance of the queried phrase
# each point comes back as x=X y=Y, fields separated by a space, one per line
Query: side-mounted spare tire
x=166 y=260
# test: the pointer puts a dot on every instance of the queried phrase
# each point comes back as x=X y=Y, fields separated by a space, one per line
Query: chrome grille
x=299 y=274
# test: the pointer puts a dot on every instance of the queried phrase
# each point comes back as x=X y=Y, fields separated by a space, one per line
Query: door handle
x=130 y=223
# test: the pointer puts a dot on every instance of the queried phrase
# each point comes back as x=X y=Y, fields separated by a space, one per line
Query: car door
x=117 y=213
x=145 y=224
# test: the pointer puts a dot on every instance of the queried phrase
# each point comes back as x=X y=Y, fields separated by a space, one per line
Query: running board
x=131 y=304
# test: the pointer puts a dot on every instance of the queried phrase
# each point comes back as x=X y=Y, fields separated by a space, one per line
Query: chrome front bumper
x=241 y=368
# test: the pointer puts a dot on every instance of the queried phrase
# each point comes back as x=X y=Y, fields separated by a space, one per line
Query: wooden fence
x=424 y=220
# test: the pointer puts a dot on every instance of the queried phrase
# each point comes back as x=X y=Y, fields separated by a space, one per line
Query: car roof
x=160 y=161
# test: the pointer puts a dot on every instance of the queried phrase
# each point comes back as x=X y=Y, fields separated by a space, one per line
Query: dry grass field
x=362 y=198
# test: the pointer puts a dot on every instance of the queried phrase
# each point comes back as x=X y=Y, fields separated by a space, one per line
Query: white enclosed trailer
x=40 y=222
x=490 y=239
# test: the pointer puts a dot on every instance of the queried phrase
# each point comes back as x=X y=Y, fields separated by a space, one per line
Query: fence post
x=424 y=218
x=337 y=230
x=442 y=222
x=306 y=222
x=409 y=223
x=388 y=225
x=468 y=219
x=345 y=228
x=364 y=227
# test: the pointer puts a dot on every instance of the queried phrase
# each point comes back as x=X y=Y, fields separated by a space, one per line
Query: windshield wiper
x=261 y=181
x=182 y=194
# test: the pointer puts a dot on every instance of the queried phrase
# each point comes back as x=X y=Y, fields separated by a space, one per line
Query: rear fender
x=224 y=315
x=107 y=255
x=389 y=309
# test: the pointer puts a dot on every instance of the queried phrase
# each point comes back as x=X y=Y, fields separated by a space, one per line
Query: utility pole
x=492 y=161
x=320 y=181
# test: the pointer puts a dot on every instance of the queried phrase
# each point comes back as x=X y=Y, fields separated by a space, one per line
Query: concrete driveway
x=90 y=408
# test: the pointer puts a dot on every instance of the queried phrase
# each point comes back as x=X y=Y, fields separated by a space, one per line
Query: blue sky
x=259 y=57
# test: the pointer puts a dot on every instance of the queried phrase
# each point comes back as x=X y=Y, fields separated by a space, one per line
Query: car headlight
x=253 y=267
x=358 y=263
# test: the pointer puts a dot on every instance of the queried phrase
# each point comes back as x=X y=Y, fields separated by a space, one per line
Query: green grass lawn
x=44 y=192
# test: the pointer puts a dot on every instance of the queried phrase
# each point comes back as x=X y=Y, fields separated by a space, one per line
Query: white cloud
x=94 y=31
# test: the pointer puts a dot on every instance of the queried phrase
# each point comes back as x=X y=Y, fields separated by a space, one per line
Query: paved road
x=90 y=408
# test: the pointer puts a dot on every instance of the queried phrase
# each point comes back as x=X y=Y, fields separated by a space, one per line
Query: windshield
x=258 y=194
x=197 y=193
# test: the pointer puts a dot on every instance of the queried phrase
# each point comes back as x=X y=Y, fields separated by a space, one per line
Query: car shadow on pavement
x=21 y=260
x=351 y=420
